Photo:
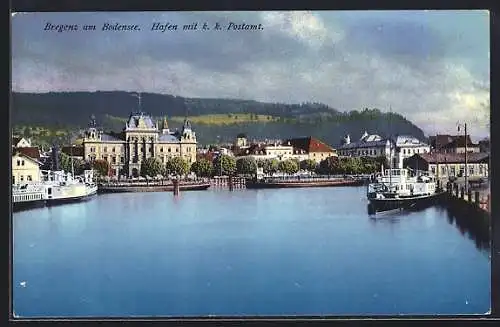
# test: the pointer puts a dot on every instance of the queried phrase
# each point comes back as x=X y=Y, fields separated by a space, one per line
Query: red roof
x=309 y=144
x=31 y=151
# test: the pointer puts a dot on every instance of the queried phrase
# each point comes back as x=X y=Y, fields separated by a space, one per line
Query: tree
x=270 y=166
x=329 y=166
x=177 y=166
x=101 y=167
x=246 y=165
x=289 y=166
x=308 y=164
x=152 y=167
x=64 y=162
x=202 y=168
x=224 y=165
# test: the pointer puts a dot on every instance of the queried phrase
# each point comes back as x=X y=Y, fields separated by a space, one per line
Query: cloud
x=408 y=62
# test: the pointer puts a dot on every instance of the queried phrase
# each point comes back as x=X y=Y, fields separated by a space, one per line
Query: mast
x=466 y=169
x=390 y=148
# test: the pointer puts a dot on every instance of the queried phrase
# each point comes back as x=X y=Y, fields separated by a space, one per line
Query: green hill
x=213 y=119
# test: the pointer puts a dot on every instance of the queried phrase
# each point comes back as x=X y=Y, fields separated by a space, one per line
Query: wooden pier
x=474 y=199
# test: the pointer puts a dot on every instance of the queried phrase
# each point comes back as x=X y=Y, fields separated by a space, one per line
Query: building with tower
x=141 y=138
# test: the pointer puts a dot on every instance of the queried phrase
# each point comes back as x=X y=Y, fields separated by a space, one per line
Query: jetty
x=299 y=181
x=152 y=186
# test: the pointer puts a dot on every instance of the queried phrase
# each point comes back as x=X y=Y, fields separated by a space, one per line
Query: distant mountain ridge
x=73 y=109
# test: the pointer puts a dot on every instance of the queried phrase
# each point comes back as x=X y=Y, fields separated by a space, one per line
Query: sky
x=432 y=67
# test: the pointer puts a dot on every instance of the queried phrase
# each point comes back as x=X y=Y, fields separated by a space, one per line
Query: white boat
x=400 y=189
x=61 y=187
x=28 y=195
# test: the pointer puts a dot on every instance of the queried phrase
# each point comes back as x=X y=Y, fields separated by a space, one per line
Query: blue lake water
x=247 y=252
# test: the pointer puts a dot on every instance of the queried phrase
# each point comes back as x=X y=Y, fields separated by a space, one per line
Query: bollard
x=476 y=199
x=469 y=195
x=462 y=191
x=176 y=186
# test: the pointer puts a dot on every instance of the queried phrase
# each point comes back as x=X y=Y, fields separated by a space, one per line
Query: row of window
x=105 y=149
x=29 y=197
x=413 y=151
x=20 y=162
x=21 y=179
x=452 y=170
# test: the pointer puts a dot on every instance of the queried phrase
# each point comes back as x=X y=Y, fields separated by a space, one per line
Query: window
x=161 y=149
x=113 y=149
x=177 y=150
x=22 y=162
x=404 y=151
x=480 y=169
x=452 y=171
x=122 y=159
x=471 y=170
x=113 y=159
x=28 y=178
x=105 y=149
x=13 y=179
x=21 y=178
x=433 y=170
x=443 y=170
x=169 y=150
x=19 y=162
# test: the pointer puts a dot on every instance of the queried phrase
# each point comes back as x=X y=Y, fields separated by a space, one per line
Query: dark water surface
x=247 y=252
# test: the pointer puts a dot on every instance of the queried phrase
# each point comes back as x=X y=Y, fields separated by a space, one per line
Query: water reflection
x=470 y=224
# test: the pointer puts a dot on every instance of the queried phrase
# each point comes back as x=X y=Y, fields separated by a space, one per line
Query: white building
x=367 y=146
x=407 y=146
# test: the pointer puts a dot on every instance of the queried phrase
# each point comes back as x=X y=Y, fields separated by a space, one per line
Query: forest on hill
x=214 y=120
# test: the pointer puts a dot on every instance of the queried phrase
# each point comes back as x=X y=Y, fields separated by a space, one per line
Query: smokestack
x=55 y=158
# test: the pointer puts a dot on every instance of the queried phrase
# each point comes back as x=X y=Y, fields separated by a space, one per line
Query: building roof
x=241 y=135
x=135 y=120
x=452 y=157
x=16 y=140
x=361 y=144
x=309 y=144
x=111 y=137
x=29 y=151
x=168 y=138
x=408 y=141
x=27 y=157
x=75 y=151
x=449 y=141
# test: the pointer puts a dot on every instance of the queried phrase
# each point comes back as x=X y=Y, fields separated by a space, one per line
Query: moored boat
x=402 y=189
x=125 y=187
x=302 y=182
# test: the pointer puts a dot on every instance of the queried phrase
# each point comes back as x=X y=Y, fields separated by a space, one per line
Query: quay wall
x=474 y=203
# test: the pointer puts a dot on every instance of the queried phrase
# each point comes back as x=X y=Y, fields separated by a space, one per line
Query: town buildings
x=452 y=144
x=444 y=165
x=373 y=145
x=140 y=139
x=294 y=148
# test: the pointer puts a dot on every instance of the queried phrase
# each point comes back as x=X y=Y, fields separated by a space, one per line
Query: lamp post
x=465 y=156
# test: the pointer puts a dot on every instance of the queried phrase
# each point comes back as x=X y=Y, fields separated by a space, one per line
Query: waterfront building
x=369 y=145
x=241 y=141
x=445 y=165
x=24 y=168
x=310 y=148
x=141 y=138
x=452 y=144
x=406 y=146
x=267 y=151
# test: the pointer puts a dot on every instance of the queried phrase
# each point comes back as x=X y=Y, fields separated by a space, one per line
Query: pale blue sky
x=431 y=66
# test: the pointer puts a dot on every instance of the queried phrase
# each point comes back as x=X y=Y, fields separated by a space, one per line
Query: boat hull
x=410 y=203
x=297 y=184
x=162 y=188
x=27 y=205
x=66 y=200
